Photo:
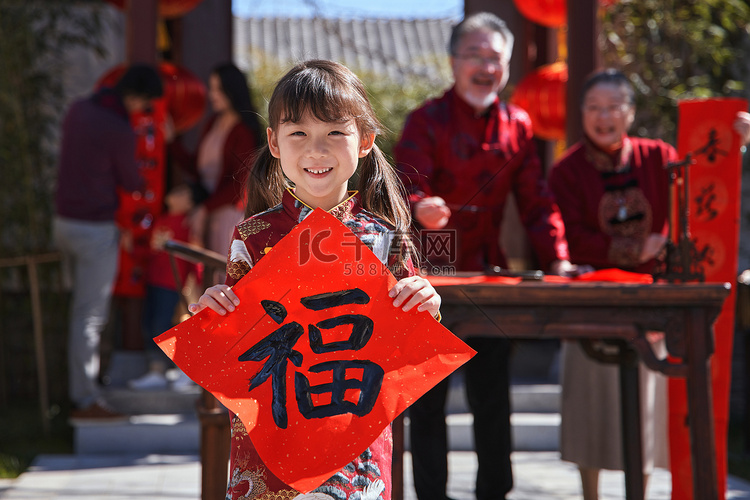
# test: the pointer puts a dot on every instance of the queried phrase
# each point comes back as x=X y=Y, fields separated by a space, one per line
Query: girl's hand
x=413 y=291
x=220 y=298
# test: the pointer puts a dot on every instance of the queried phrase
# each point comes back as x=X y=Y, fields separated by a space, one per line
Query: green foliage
x=34 y=36
x=394 y=100
x=22 y=438
x=676 y=49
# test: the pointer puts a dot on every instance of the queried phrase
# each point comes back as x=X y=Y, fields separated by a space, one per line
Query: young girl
x=321 y=125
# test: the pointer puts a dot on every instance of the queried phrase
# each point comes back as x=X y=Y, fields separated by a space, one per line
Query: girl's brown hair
x=330 y=92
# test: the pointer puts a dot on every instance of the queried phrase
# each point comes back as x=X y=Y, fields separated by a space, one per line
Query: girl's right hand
x=219 y=298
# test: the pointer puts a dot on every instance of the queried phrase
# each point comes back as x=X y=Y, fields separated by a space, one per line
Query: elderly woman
x=613 y=194
x=612 y=191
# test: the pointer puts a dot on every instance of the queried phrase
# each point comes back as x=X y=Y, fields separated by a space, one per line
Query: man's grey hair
x=480 y=21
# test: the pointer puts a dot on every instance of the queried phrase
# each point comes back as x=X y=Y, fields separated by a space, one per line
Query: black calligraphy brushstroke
x=332 y=299
x=362 y=328
x=254 y=325
x=275 y=310
x=277 y=348
x=369 y=389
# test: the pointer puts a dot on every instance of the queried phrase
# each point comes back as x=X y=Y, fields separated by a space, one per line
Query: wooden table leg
x=215 y=441
x=700 y=405
x=630 y=410
x=397 y=467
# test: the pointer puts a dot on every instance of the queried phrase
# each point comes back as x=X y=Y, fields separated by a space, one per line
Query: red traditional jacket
x=611 y=203
x=368 y=476
x=474 y=162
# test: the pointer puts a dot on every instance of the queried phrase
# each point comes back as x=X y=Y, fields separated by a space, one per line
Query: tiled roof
x=393 y=47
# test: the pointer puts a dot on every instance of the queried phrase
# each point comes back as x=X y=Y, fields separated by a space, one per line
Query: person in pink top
x=220 y=162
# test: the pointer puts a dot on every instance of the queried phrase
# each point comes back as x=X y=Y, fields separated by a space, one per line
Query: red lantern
x=184 y=92
x=167 y=8
x=542 y=94
x=550 y=13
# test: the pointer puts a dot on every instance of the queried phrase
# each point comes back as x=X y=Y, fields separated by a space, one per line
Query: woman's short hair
x=609 y=76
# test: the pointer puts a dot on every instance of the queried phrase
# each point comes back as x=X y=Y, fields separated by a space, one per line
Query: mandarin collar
x=617 y=161
x=298 y=209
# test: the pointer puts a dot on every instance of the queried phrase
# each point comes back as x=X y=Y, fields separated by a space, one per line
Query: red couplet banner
x=705 y=130
x=315 y=361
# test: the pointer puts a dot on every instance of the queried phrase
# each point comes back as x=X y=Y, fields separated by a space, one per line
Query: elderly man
x=460 y=156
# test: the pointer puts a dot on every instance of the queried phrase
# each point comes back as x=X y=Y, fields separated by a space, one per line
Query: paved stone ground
x=537 y=475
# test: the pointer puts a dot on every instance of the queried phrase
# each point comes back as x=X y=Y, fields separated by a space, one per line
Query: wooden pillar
x=142 y=16
x=210 y=20
x=583 y=58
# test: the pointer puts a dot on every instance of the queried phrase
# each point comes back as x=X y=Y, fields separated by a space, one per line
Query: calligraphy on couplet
x=315 y=361
x=705 y=130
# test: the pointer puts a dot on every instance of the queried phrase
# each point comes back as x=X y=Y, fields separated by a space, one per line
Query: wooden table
x=619 y=312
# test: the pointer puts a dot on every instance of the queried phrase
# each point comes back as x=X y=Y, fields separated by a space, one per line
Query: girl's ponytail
x=265 y=183
x=383 y=194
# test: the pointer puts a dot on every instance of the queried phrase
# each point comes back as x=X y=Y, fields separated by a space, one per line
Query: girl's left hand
x=415 y=291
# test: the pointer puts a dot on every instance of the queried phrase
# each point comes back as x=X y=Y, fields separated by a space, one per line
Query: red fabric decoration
x=184 y=92
x=714 y=216
x=550 y=13
x=299 y=336
x=167 y=8
x=137 y=210
x=542 y=93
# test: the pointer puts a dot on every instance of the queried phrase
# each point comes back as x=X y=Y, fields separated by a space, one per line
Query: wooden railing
x=214 y=419
x=31 y=262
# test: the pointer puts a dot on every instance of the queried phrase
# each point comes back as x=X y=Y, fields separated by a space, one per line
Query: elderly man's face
x=480 y=67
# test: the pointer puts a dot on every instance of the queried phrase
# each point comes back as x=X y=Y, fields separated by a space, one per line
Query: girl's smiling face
x=319 y=157
x=607 y=115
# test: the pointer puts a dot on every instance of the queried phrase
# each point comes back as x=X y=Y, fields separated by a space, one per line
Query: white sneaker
x=151 y=381
x=180 y=381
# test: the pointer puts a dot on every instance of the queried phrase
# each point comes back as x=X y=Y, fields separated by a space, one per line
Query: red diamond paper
x=319 y=256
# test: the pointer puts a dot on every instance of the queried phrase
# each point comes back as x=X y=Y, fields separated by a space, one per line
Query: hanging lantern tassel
x=542 y=94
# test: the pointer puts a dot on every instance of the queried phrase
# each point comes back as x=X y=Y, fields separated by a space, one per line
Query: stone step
x=524 y=398
x=529 y=431
x=161 y=402
x=536 y=398
x=165 y=421
x=181 y=434
x=175 y=434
